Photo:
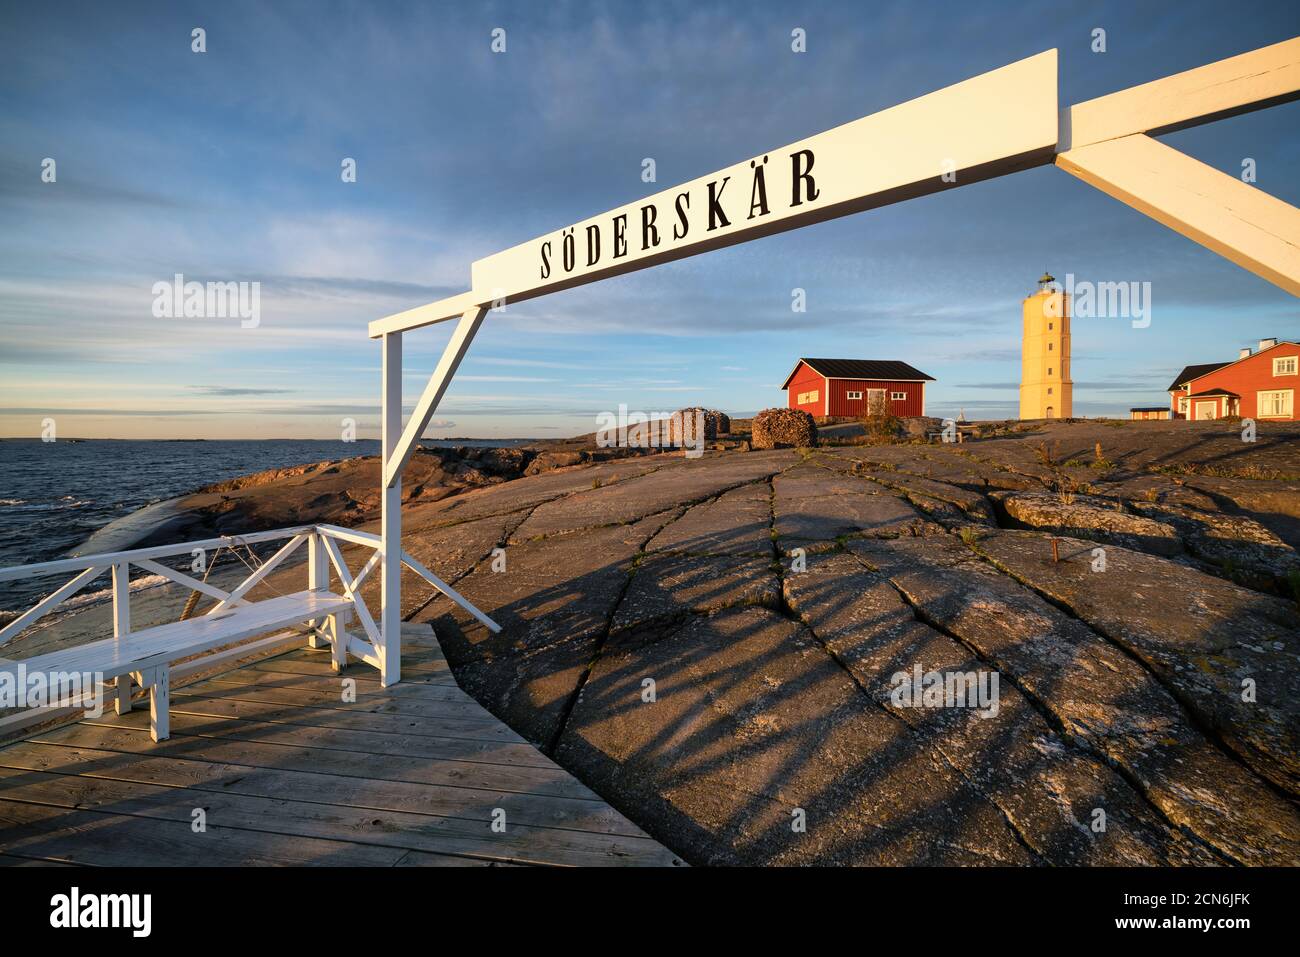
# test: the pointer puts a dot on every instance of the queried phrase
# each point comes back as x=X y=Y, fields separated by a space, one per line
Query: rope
x=193 y=600
x=232 y=541
x=231 y=544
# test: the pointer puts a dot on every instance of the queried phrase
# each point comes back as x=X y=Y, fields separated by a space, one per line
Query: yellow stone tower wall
x=1046 y=389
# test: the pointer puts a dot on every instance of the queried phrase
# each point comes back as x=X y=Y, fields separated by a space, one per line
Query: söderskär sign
x=995 y=123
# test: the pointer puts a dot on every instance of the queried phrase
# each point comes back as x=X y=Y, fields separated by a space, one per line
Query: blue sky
x=225 y=166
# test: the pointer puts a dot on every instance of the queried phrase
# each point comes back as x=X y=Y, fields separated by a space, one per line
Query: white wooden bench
x=147 y=656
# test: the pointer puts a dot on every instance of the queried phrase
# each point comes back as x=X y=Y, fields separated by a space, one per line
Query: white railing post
x=390 y=629
x=318 y=579
x=122 y=628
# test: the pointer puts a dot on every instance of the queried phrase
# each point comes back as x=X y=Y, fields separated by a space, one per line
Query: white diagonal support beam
x=181 y=578
x=1239 y=222
x=366 y=569
x=48 y=603
x=450 y=592
x=1252 y=81
x=270 y=565
x=352 y=588
x=339 y=562
x=433 y=392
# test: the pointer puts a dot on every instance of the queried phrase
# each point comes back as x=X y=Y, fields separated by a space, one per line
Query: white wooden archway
x=993 y=124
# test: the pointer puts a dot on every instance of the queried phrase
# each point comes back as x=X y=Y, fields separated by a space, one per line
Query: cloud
x=72 y=186
x=234 y=391
x=34 y=410
x=980 y=355
x=501 y=378
x=1123 y=385
x=540 y=363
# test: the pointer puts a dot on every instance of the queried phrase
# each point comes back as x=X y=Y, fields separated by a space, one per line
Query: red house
x=849 y=386
x=1257 y=385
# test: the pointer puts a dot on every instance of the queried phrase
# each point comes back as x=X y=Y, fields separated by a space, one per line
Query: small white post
x=318 y=579
x=160 y=704
x=121 y=629
x=390 y=628
x=335 y=628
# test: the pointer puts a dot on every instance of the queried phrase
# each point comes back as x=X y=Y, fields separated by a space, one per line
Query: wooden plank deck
x=288 y=773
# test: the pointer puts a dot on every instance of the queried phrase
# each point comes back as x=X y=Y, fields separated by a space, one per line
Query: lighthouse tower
x=1046 y=389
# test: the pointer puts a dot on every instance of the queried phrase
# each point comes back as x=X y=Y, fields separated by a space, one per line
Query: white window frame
x=897 y=396
x=1183 y=404
x=1289 y=401
x=808 y=398
x=1292 y=364
x=854 y=395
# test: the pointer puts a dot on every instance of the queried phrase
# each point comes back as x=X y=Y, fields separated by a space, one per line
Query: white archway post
x=390 y=582
x=398 y=443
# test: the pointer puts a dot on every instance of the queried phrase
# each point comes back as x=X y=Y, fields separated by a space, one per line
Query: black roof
x=1195 y=372
x=891 y=369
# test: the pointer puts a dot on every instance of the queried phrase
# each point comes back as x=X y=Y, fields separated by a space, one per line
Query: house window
x=1049 y=390
x=898 y=396
x=1284 y=365
x=807 y=397
x=1049 y=370
x=1276 y=404
x=1182 y=404
x=1049 y=327
x=855 y=395
x=1049 y=347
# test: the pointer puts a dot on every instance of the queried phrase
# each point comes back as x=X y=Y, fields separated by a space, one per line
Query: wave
x=80 y=602
x=106 y=594
x=64 y=503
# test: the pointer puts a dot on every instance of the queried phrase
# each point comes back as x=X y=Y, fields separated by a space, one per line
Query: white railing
x=90 y=567
x=332 y=532
x=323 y=551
